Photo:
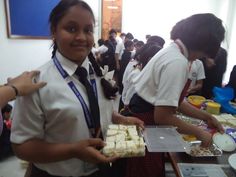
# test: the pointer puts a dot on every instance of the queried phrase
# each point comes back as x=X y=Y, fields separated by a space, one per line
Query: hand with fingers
x=134 y=121
x=24 y=84
x=88 y=150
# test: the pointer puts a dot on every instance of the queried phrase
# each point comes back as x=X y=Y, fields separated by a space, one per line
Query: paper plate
x=224 y=142
x=232 y=161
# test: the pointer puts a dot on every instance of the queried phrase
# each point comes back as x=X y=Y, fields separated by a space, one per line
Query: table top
x=177 y=157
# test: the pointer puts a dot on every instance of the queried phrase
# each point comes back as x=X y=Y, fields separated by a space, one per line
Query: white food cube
x=109 y=148
x=111 y=139
x=121 y=146
x=134 y=137
x=122 y=127
x=120 y=137
x=113 y=127
x=111 y=132
x=132 y=132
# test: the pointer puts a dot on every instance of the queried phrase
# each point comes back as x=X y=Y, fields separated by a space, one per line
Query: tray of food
x=190 y=120
x=196 y=150
x=124 y=141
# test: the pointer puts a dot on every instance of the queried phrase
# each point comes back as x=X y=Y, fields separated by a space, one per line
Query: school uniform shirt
x=120 y=49
x=196 y=72
x=130 y=87
x=162 y=80
x=55 y=115
x=126 y=81
x=1 y=123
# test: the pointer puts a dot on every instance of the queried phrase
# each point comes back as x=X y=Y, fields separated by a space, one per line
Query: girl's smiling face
x=74 y=34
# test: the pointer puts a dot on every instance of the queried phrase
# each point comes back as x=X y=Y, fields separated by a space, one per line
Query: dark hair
x=147 y=52
x=100 y=42
x=56 y=15
x=203 y=32
x=139 y=44
x=122 y=34
x=148 y=36
x=112 y=31
x=128 y=44
x=108 y=90
x=60 y=11
x=157 y=39
x=129 y=36
x=135 y=40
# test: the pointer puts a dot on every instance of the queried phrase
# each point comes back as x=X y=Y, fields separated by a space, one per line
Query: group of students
x=58 y=127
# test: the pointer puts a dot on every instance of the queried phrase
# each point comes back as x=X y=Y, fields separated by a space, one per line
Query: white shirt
x=130 y=87
x=126 y=80
x=120 y=49
x=55 y=115
x=102 y=49
x=197 y=72
x=163 y=78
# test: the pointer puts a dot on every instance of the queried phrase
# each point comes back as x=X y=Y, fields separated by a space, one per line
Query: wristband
x=14 y=88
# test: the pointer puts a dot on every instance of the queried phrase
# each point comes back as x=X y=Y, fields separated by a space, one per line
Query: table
x=181 y=157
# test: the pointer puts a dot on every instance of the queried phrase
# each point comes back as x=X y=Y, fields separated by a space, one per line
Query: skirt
x=152 y=164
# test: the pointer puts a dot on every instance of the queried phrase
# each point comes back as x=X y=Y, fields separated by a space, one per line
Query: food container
x=213 y=108
x=197 y=151
x=196 y=100
x=124 y=141
x=224 y=142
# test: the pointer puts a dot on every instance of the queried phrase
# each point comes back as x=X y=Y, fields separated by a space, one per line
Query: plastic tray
x=164 y=139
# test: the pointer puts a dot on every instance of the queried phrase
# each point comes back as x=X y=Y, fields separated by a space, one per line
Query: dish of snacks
x=196 y=150
x=123 y=141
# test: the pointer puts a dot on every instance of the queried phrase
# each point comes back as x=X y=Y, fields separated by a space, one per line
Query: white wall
x=157 y=17
x=17 y=55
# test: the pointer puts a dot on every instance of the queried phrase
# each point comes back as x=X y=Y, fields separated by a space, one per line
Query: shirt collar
x=70 y=66
x=183 y=47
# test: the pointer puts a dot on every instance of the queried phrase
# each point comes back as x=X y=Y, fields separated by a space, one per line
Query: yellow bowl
x=213 y=107
x=196 y=100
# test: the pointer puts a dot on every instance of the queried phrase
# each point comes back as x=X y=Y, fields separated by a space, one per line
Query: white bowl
x=224 y=142
x=232 y=161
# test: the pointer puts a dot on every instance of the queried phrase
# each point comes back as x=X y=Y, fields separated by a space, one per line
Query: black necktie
x=93 y=102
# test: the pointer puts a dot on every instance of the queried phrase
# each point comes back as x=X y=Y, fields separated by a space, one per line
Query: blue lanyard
x=70 y=83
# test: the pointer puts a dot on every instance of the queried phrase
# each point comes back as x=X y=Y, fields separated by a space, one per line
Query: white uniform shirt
x=102 y=49
x=126 y=80
x=197 y=72
x=120 y=49
x=55 y=115
x=130 y=86
x=164 y=77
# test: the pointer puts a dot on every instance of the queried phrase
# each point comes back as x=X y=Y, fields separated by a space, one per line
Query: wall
x=157 y=17
x=17 y=55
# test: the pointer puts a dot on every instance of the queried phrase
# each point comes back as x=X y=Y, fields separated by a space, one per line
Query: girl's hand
x=205 y=137
x=87 y=150
x=212 y=122
x=24 y=83
x=134 y=121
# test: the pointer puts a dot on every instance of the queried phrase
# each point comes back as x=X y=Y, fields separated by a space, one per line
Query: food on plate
x=123 y=141
x=196 y=150
x=226 y=119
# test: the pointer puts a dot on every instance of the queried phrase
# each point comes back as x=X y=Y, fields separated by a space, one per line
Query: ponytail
x=108 y=90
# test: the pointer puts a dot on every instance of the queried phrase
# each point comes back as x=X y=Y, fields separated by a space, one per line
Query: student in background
x=162 y=85
x=215 y=68
x=18 y=86
x=144 y=55
x=197 y=75
x=126 y=57
x=157 y=39
x=59 y=129
x=120 y=48
x=232 y=81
